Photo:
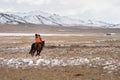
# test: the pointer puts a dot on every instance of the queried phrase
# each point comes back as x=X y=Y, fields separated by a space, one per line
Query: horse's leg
x=37 y=53
x=32 y=54
x=41 y=47
x=40 y=50
x=37 y=47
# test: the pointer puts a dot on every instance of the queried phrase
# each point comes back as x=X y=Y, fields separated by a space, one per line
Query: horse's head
x=43 y=43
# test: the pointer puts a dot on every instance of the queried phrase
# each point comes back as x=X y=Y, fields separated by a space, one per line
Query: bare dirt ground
x=63 y=57
x=52 y=29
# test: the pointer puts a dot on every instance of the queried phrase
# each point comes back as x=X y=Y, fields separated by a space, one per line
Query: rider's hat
x=36 y=35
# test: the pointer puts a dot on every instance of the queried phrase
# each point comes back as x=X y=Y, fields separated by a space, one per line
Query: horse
x=37 y=47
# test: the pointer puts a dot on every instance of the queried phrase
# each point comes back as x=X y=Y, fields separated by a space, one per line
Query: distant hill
x=38 y=17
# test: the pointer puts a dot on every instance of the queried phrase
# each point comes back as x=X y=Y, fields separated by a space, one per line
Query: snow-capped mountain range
x=38 y=17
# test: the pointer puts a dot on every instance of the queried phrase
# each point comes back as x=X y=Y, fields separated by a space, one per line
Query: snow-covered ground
x=106 y=56
x=32 y=34
x=108 y=64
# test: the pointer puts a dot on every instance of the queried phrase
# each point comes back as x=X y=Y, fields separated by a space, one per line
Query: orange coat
x=37 y=40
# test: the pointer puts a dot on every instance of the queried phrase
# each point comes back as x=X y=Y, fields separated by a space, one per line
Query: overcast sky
x=106 y=10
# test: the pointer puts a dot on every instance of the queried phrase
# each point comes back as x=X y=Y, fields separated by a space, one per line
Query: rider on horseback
x=38 y=39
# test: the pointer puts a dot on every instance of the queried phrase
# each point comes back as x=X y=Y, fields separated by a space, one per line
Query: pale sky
x=106 y=10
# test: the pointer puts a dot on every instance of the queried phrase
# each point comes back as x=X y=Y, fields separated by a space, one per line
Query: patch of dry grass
x=64 y=48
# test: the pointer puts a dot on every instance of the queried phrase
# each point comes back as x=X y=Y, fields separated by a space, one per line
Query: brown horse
x=37 y=47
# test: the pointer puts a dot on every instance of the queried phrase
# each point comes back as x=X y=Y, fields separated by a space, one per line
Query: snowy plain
x=32 y=34
x=109 y=64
